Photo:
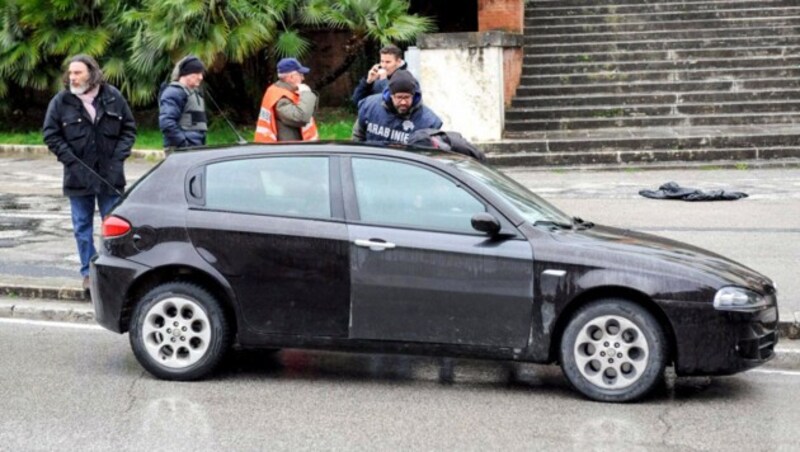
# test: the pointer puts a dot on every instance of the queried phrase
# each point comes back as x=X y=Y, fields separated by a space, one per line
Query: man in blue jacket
x=392 y=116
x=181 y=107
x=378 y=77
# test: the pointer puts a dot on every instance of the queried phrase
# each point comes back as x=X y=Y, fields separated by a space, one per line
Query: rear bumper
x=712 y=342
x=111 y=279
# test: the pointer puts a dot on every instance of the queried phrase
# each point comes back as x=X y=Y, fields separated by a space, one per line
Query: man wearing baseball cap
x=181 y=107
x=392 y=116
x=288 y=106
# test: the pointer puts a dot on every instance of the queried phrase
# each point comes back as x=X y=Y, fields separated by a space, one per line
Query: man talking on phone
x=378 y=77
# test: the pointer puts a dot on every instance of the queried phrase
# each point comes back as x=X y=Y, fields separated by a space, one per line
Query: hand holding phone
x=373 y=73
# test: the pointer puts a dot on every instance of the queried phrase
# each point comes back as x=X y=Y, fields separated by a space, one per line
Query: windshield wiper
x=552 y=224
x=578 y=221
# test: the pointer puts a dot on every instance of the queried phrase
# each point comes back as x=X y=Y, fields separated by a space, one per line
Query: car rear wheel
x=179 y=332
x=613 y=350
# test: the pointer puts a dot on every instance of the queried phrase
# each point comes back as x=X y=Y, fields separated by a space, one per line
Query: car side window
x=400 y=194
x=287 y=186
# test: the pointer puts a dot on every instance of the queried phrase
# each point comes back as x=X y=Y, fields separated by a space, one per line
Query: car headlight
x=739 y=299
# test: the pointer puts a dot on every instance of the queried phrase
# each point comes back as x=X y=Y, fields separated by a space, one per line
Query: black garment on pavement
x=671 y=190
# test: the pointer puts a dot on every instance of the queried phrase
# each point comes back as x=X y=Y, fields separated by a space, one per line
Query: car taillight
x=115 y=227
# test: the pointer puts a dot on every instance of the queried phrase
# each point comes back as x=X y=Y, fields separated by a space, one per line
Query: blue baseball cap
x=287 y=65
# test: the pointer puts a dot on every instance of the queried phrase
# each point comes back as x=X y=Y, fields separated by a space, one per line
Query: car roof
x=205 y=153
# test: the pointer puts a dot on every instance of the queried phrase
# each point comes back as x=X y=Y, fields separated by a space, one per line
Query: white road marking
x=788 y=373
x=48 y=323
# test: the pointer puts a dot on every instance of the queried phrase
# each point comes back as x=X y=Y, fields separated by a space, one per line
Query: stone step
x=664 y=55
x=791 y=72
x=638 y=36
x=669 y=87
x=530 y=125
x=665 y=44
x=533 y=19
x=534 y=10
x=500 y=156
x=651 y=138
x=655 y=98
x=616 y=111
x=676 y=65
x=671 y=25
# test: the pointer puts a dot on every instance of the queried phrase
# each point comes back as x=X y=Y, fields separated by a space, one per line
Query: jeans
x=83 y=223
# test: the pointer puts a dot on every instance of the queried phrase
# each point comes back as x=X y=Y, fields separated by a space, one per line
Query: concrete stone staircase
x=625 y=81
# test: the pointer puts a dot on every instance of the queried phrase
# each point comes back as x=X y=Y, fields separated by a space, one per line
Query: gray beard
x=79 y=89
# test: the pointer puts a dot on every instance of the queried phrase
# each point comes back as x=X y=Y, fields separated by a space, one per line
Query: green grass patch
x=742 y=166
x=333 y=124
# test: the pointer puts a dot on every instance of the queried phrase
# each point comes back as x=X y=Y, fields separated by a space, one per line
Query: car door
x=419 y=272
x=273 y=226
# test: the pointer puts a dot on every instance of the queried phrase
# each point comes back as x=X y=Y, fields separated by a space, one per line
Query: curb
x=35 y=149
x=48 y=310
x=44 y=293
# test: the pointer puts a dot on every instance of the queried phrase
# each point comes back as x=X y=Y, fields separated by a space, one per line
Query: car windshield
x=529 y=205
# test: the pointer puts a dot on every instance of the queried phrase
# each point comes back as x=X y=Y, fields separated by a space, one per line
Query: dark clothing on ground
x=182 y=116
x=379 y=122
x=103 y=145
x=671 y=190
x=364 y=89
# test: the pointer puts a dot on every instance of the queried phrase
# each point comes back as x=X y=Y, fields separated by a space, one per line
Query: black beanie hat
x=402 y=82
x=191 y=65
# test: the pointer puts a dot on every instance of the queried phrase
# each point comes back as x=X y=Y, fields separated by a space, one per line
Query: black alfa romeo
x=380 y=250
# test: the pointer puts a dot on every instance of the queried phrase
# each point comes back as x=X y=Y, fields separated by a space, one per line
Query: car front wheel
x=179 y=332
x=613 y=350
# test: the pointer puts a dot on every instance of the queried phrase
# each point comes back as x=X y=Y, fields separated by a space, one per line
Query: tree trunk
x=352 y=49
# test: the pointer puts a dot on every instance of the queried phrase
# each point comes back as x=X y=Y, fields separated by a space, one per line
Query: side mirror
x=485 y=222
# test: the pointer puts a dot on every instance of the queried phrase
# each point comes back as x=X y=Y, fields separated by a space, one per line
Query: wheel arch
x=598 y=293
x=178 y=273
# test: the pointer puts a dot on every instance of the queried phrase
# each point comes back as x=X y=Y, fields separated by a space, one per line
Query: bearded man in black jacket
x=89 y=125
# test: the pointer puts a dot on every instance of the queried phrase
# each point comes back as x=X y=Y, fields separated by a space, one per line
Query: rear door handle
x=374 y=245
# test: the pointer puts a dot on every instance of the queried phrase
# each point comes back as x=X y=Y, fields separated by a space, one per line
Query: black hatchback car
x=371 y=249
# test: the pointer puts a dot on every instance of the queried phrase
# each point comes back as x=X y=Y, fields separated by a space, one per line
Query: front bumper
x=111 y=279
x=712 y=342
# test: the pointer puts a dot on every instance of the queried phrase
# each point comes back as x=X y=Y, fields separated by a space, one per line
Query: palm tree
x=216 y=31
x=38 y=35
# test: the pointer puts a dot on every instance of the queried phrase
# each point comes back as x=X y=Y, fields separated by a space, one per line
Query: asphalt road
x=66 y=387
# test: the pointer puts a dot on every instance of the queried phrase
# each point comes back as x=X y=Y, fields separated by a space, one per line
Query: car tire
x=179 y=332
x=613 y=350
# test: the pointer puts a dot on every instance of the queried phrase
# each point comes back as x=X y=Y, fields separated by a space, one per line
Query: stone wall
x=467 y=79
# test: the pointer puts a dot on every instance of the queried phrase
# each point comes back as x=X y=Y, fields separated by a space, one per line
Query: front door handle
x=374 y=245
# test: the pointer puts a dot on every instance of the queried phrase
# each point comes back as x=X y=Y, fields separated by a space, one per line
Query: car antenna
x=221 y=113
x=94 y=172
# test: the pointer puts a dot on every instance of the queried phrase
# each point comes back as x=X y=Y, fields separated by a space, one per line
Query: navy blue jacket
x=171 y=104
x=379 y=122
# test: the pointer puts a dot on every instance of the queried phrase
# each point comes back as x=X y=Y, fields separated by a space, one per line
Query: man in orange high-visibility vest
x=288 y=106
